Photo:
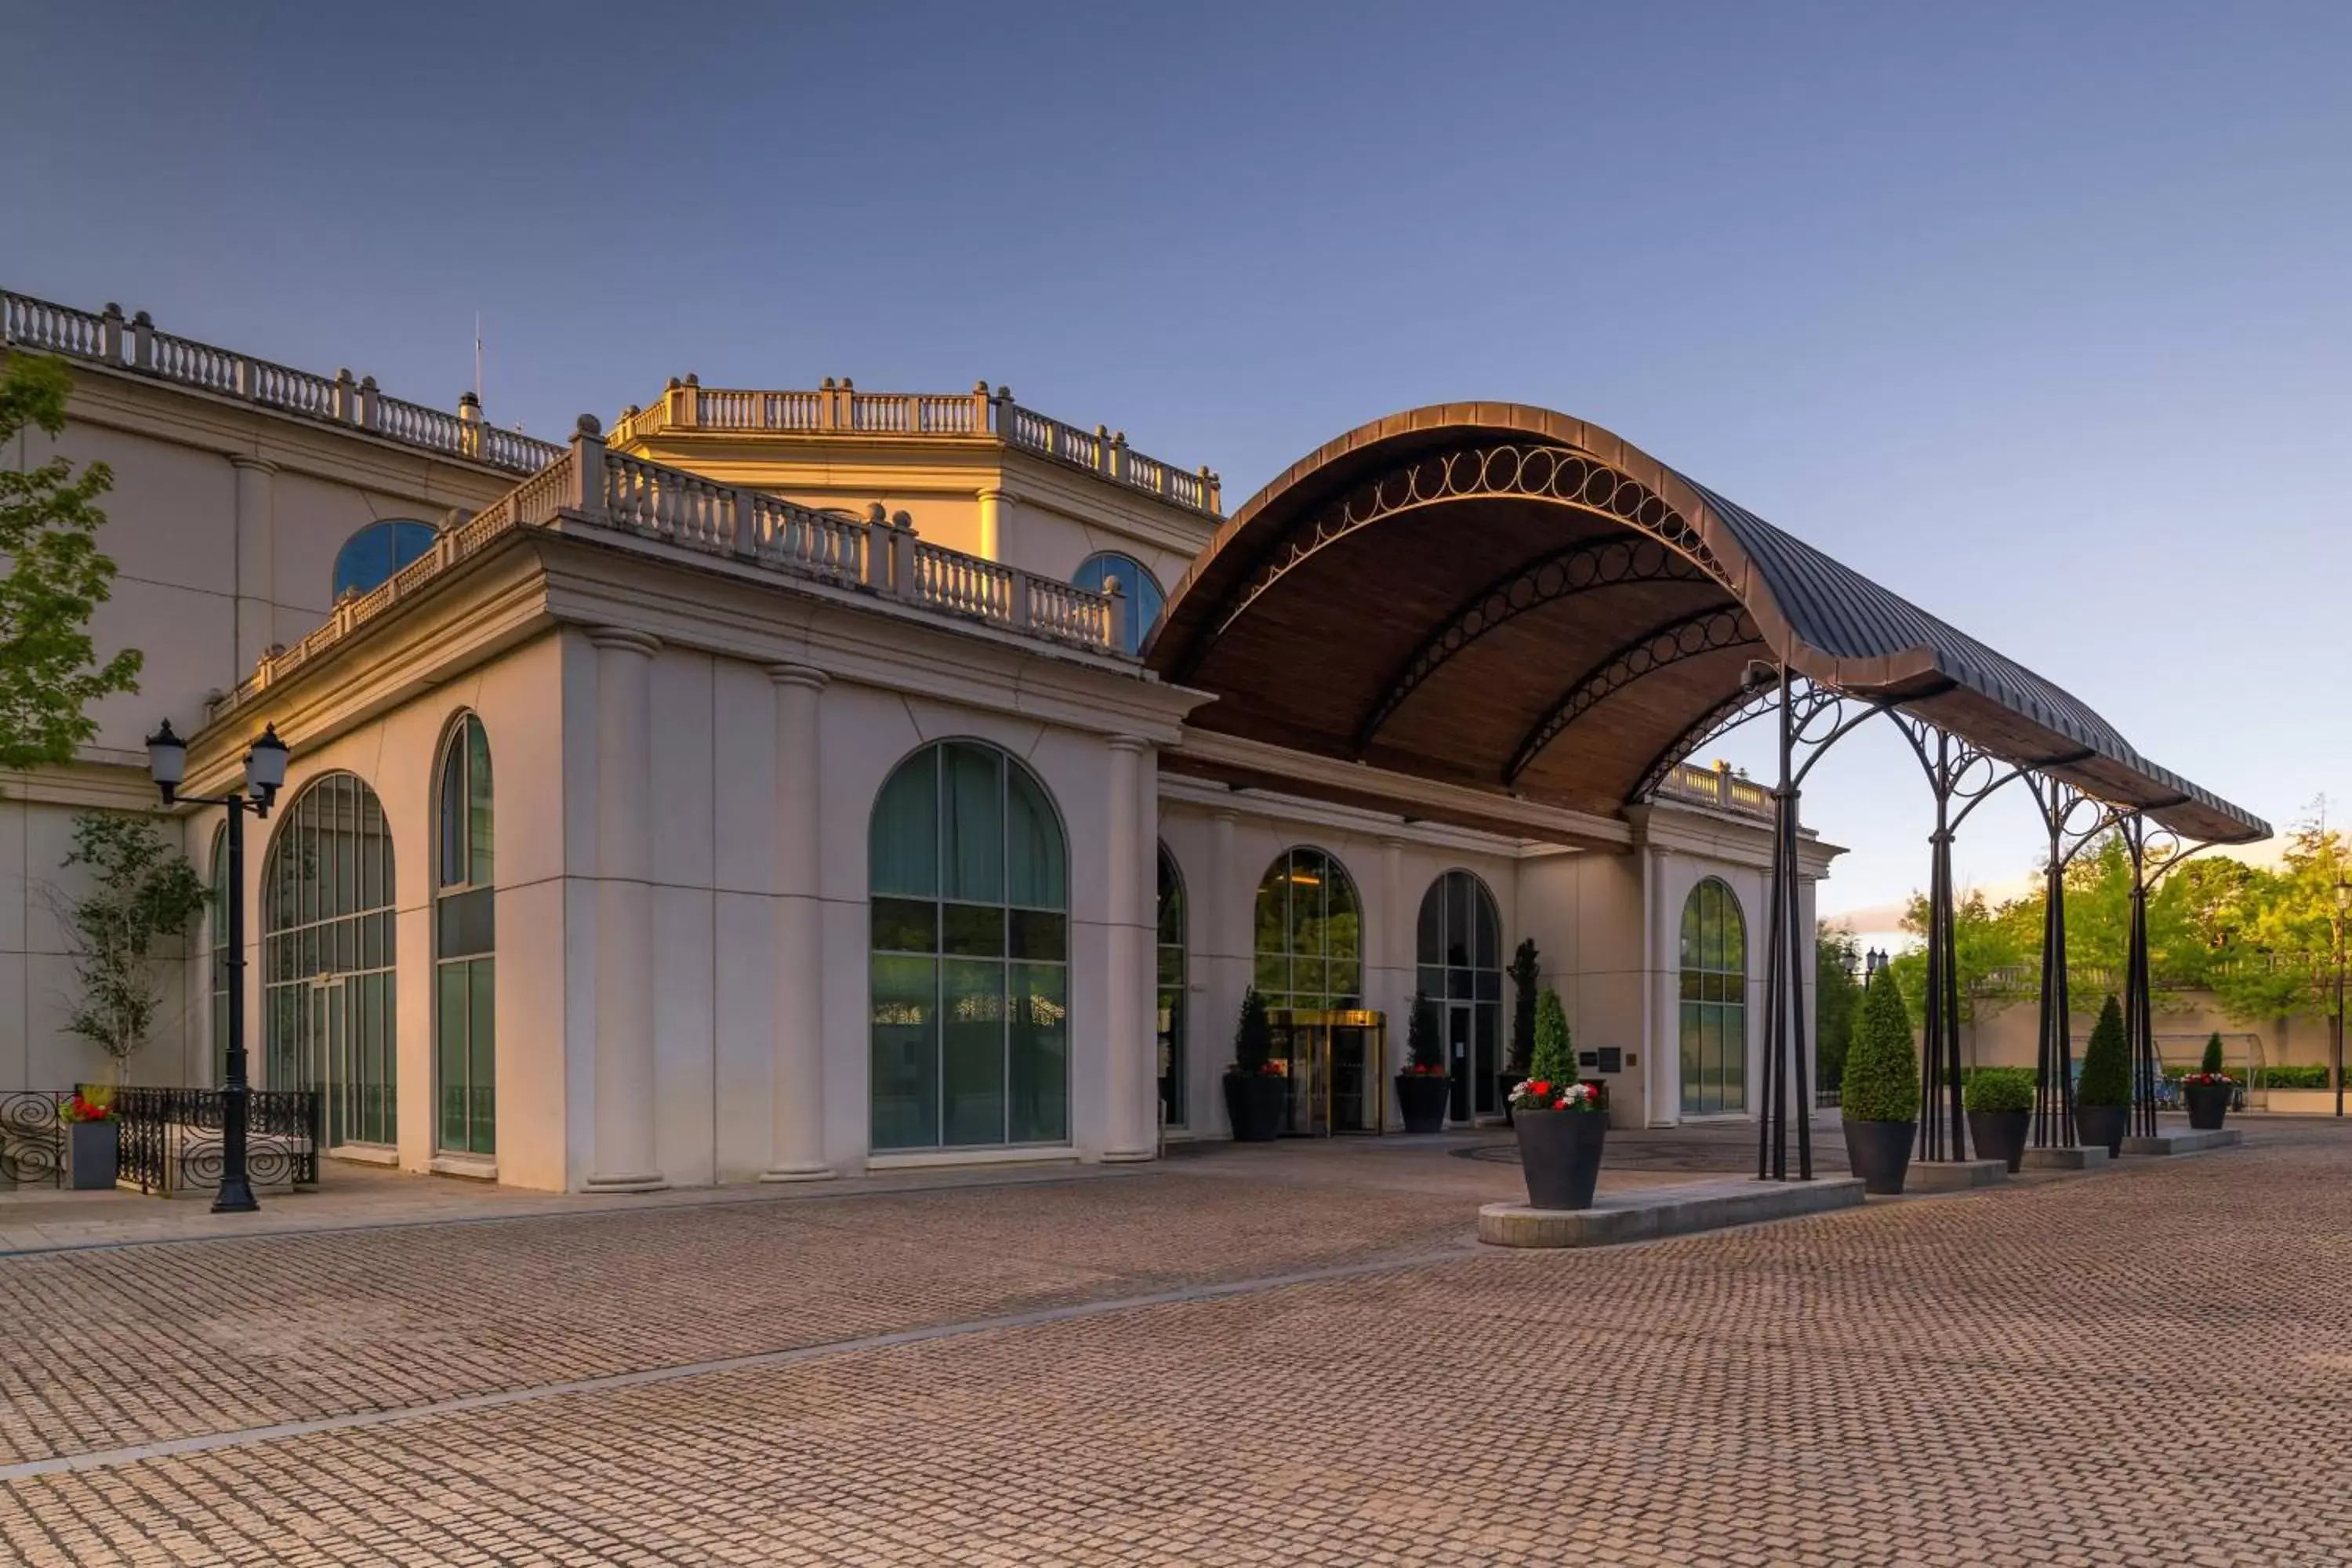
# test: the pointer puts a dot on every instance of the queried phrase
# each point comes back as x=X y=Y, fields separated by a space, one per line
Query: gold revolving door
x=1336 y=1061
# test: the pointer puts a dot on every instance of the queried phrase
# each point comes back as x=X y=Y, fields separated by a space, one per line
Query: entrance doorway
x=1459 y=950
x=1473 y=1062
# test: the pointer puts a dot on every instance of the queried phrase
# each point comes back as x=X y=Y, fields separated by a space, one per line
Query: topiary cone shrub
x=1882 y=1070
x=2103 y=1094
x=1423 y=1089
x=1553 y=1060
x=2212 y=1062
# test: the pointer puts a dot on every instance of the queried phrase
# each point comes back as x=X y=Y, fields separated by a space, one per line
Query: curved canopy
x=1507 y=599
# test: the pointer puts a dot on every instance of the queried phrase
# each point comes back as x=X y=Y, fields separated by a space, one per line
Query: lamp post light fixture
x=2336 y=1066
x=265 y=774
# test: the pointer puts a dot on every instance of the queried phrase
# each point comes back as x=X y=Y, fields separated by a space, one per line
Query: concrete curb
x=1954 y=1175
x=2185 y=1142
x=1647 y=1214
x=2088 y=1157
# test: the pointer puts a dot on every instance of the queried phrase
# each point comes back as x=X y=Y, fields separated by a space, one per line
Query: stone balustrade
x=107 y=338
x=1716 y=787
x=838 y=408
x=592 y=488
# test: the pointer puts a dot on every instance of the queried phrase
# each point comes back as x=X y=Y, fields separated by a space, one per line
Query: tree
x=2212 y=1062
x=1882 y=1069
x=142 y=891
x=2106 y=1070
x=1553 y=1060
x=1524 y=975
x=1421 y=1037
x=1837 y=954
x=56 y=578
x=1986 y=940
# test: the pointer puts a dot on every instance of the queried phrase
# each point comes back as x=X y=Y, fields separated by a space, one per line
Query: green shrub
x=1253 y=1035
x=1554 y=1057
x=2107 y=1064
x=1882 y=1070
x=1421 y=1037
x=2291 y=1078
x=2000 y=1090
x=2212 y=1062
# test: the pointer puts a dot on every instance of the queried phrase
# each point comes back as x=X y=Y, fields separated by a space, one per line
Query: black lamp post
x=2335 y=1069
x=264 y=773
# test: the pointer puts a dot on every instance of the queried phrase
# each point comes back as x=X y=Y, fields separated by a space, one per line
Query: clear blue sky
x=2038 y=313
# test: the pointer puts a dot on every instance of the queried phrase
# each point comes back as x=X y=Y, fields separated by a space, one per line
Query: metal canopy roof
x=1506 y=597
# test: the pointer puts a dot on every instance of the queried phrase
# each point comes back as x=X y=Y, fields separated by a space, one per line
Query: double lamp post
x=265 y=774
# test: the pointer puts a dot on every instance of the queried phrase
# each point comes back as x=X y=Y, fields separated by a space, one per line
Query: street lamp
x=2336 y=1068
x=265 y=774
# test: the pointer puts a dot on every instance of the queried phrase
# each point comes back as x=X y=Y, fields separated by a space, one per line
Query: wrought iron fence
x=168 y=1140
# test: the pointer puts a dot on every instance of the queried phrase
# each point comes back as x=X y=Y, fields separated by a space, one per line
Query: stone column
x=255 y=565
x=1662 y=1051
x=797 y=1147
x=1228 y=974
x=1130 y=1132
x=1397 y=957
x=624 y=1158
x=993 y=501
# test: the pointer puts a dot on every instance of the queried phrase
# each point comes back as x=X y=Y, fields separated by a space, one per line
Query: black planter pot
x=1254 y=1104
x=1421 y=1099
x=1880 y=1154
x=92 y=1150
x=2103 y=1126
x=1559 y=1153
x=2001 y=1135
x=2208 y=1104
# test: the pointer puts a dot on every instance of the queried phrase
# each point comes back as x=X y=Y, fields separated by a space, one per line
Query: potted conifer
x=1524 y=974
x=2209 y=1088
x=2000 y=1112
x=2103 y=1094
x=1562 y=1124
x=1257 y=1083
x=1880 y=1096
x=1421 y=1089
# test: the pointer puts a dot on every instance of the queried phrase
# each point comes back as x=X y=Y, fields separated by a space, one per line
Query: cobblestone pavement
x=1208 y=1363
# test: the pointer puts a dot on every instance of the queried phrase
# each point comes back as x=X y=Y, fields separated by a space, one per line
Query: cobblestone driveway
x=1199 y=1364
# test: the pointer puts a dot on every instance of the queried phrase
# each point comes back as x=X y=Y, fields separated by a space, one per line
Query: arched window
x=1171 y=989
x=216 y=953
x=370 y=557
x=1459 y=950
x=1714 y=1002
x=1144 y=598
x=464 y=942
x=327 y=958
x=1309 y=934
x=969 y=895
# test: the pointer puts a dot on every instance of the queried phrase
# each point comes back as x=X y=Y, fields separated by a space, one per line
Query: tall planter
x=1880 y=1154
x=1559 y=1154
x=92 y=1150
x=2208 y=1104
x=1254 y=1105
x=2102 y=1126
x=1421 y=1101
x=2001 y=1135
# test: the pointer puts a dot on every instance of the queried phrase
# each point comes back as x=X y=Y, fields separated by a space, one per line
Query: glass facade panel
x=327 y=958
x=1169 y=1011
x=371 y=556
x=1145 y=599
x=1309 y=934
x=465 y=941
x=968 y=861
x=1714 y=1022
x=1458 y=948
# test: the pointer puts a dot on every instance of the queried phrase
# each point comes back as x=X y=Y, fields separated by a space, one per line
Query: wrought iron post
x=2053 y=1074
x=2155 y=854
x=235 y=1195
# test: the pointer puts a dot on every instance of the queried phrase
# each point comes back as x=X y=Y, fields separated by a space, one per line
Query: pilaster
x=624 y=1158
x=798 y=1147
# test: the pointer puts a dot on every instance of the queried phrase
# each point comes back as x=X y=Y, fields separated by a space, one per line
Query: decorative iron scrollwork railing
x=168 y=1141
x=33 y=1138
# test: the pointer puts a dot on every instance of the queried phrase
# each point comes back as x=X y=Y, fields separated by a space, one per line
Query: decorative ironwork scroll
x=33 y=1138
x=2062 y=806
x=1688 y=636
x=171 y=1140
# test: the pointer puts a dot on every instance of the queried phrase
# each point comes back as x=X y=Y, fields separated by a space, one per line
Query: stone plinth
x=2185 y=1142
x=1953 y=1175
x=2089 y=1157
x=1645 y=1213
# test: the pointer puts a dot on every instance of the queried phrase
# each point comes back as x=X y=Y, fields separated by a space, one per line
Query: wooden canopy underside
x=1511 y=600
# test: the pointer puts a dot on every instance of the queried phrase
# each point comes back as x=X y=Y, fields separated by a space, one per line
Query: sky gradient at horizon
x=2037 y=315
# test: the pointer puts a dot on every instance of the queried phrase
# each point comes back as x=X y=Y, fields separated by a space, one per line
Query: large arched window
x=1459 y=950
x=968 y=891
x=1144 y=598
x=1309 y=934
x=464 y=941
x=371 y=556
x=1171 y=989
x=1714 y=1002
x=217 y=954
x=327 y=958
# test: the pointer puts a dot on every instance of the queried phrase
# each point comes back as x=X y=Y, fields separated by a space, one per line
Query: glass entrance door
x=343 y=1056
x=1458 y=1065
x=326 y=1056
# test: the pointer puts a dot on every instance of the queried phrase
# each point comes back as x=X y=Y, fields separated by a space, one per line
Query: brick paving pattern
x=2148 y=1366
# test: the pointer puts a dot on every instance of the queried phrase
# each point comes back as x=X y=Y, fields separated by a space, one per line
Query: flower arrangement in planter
x=1257 y=1084
x=2000 y=1112
x=1562 y=1125
x=1525 y=972
x=2102 y=1092
x=92 y=1148
x=1880 y=1095
x=1422 y=1088
x=2208 y=1089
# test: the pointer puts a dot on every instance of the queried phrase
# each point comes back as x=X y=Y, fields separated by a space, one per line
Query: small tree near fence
x=142 y=892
